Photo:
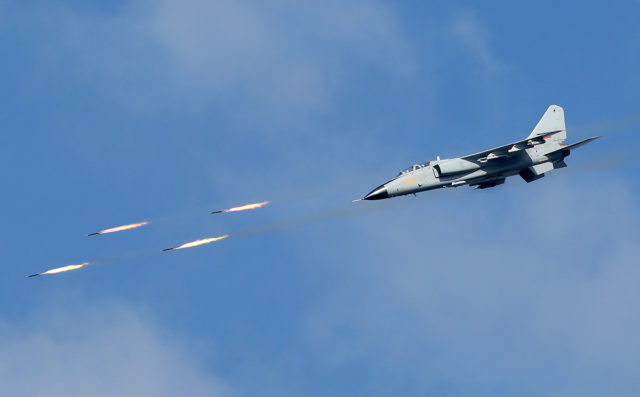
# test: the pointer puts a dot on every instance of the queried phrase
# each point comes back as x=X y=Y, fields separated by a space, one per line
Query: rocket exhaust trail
x=120 y=228
x=101 y=261
x=62 y=269
x=197 y=243
x=242 y=208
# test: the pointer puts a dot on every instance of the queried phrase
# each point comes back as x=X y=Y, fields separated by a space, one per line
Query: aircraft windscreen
x=413 y=168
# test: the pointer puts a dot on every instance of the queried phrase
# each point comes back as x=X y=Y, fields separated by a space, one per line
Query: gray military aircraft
x=544 y=150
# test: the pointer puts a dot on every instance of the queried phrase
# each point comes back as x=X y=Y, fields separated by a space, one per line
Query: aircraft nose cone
x=377 y=194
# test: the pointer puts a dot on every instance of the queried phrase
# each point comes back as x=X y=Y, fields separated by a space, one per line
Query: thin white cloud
x=107 y=352
x=282 y=56
x=282 y=53
x=469 y=31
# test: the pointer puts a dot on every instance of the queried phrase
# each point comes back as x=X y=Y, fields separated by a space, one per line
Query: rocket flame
x=245 y=207
x=198 y=242
x=121 y=228
x=62 y=269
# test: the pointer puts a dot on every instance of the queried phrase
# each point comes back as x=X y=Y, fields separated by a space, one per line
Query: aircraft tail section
x=551 y=121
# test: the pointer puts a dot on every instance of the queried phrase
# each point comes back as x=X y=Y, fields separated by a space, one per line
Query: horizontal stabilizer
x=575 y=145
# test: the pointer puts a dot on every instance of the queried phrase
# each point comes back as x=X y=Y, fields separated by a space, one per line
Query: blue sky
x=118 y=112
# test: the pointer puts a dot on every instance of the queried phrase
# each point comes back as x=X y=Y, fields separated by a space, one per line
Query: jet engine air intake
x=454 y=166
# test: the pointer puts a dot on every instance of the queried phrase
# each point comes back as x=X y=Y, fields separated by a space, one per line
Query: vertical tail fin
x=552 y=120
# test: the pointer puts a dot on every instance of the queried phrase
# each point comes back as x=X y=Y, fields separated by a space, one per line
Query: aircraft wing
x=575 y=145
x=510 y=149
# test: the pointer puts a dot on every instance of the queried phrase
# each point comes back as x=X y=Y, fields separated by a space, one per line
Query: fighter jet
x=543 y=150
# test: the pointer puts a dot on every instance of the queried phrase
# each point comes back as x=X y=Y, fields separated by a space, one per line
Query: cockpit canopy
x=413 y=168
